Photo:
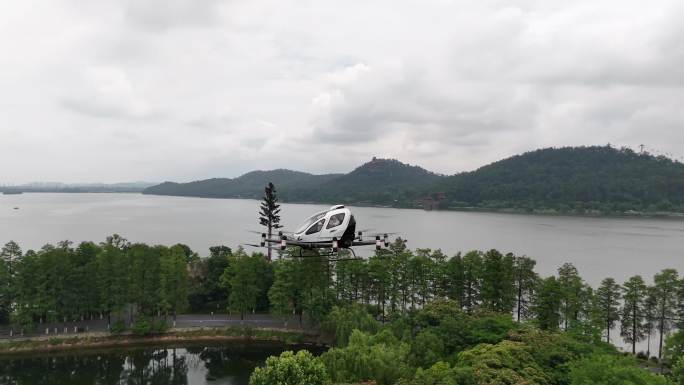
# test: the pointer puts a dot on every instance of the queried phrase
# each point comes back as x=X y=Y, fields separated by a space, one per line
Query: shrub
x=343 y=320
x=507 y=362
x=442 y=374
x=426 y=349
x=118 y=327
x=608 y=369
x=291 y=369
x=159 y=326
x=142 y=327
x=381 y=357
x=678 y=372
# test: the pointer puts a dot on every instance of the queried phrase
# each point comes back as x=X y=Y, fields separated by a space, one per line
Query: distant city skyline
x=118 y=91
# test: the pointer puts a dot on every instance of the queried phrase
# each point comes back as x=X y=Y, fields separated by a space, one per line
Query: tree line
x=116 y=277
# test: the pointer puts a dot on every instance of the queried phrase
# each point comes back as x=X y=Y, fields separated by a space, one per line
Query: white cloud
x=183 y=89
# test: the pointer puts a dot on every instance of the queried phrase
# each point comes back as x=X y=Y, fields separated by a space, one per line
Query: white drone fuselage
x=326 y=225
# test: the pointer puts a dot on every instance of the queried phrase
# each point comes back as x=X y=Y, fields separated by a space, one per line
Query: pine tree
x=10 y=255
x=632 y=326
x=665 y=293
x=241 y=278
x=571 y=287
x=269 y=213
x=650 y=316
x=525 y=280
x=608 y=300
x=472 y=283
x=498 y=282
x=547 y=303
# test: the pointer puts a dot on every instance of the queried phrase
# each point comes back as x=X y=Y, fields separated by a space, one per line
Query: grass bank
x=172 y=337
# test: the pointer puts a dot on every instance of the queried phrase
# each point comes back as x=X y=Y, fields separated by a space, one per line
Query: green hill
x=572 y=179
x=378 y=182
x=569 y=180
x=250 y=185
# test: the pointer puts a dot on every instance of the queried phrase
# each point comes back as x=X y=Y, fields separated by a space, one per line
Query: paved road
x=182 y=321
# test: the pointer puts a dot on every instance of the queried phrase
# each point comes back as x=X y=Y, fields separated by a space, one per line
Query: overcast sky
x=181 y=90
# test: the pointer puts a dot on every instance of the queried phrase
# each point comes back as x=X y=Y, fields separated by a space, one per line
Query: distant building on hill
x=432 y=201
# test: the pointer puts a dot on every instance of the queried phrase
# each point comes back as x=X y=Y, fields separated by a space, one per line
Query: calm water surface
x=198 y=365
x=599 y=247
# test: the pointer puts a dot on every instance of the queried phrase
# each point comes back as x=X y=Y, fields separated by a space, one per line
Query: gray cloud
x=180 y=89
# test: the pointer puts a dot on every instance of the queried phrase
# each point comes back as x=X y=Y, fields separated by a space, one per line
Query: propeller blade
x=259 y=246
x=274 y=232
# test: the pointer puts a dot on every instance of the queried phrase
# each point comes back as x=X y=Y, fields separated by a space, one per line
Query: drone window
x=316 y=227
x=335 y=220
x=312 y=219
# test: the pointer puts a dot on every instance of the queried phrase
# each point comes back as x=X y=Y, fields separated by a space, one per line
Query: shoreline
x=537 y=212
x=180 y=336
x=671 y=215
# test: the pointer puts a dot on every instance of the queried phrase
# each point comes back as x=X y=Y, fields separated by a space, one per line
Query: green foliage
x=381 y=357
x=674 y=347
x=665 y=298
x=608 y=297
x=547 y=304
x=498 y=283
x=507 y=362
x=572 y=180
x=603 y=369
x=118 y=327
x=559 y=180
x=678 y=372
x=441 y=373
x=173 y=288
x=245 y=279
x=553 y=351
x=301 y=286
x=343 y=320
x=633 y=326
x=269 y=212
x=427 y=348
x=291 y=369
x=142 y=327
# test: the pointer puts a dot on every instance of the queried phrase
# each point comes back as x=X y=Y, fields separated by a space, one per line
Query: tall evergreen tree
x=665 y=294
x=650 y=316
x=455 y=278
x=498 y=286
x=547 y=303
x=472 y=280
x=525 y=280
x=269 y=215
x=608 y=301
x=632 y=326
x=10 y=255
x=4 y=293
x=174 y=280
x=380 y=278
x=571 y=287
x=242 y=280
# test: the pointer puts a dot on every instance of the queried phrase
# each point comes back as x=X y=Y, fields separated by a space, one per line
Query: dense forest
x=593 y=179
x=578 y=180
x=399 y=317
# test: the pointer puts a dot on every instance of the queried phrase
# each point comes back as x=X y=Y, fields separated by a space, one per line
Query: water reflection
x=192 y=365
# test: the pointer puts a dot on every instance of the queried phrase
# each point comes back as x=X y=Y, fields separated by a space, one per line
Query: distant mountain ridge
x=565 y=180
x=249 y=185
x=132 y=187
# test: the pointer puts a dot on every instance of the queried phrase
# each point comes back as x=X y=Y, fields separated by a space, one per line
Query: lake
x=599 y=247
x=191 y=365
